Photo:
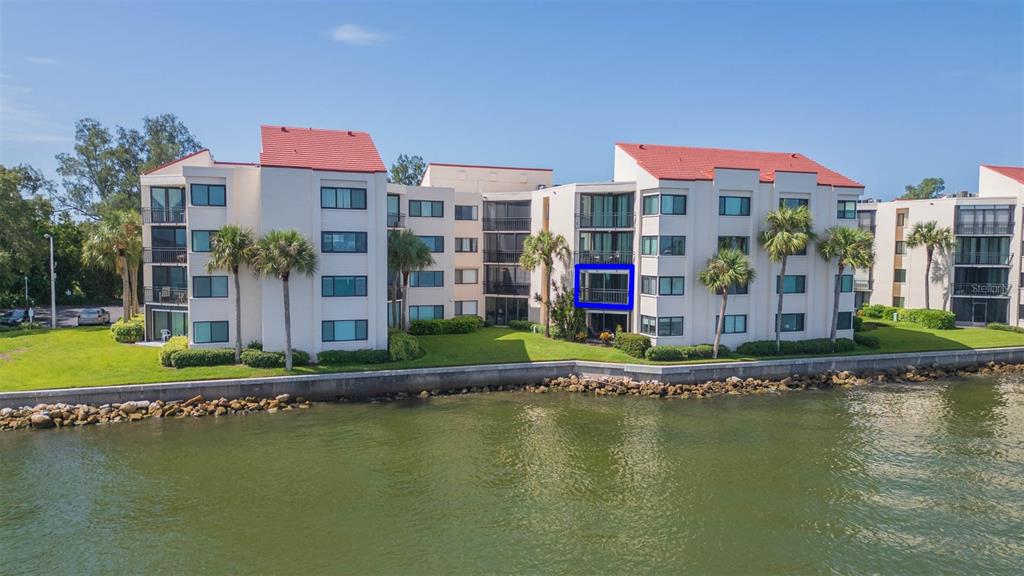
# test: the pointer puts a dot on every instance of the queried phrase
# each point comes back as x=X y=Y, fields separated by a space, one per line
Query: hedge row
x=934 y=319
x=1005 y=327
x=172 y=347
x=789 y=347
x=260 y=359
x=361 y=356
x=670 y=353
x=524 y=325
x=456 y=325
x=867 y=340
x=202 y=357
x=128 y=331
x=635 y=345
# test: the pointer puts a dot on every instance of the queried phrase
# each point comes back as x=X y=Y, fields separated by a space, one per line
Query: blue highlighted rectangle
x=628 y=268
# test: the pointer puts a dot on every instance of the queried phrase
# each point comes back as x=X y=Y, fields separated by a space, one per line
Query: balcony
x=507 y=288
x=604 y=219
x=984 y=229
x=862 y=285
x=166 y=295
x=506 y=224
x=972 y=289
x=396 y=220
x=604 y=257
x=603 y=296
x=502 y=256
x=983 y=258
x=164 y=256
x=163 y=215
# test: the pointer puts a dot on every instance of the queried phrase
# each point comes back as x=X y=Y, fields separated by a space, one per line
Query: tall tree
x=116 y=244
x=928 y=188
x=543 y=249
x=849 y=247
x=789 y=232
x=727 y=268
x=407 y=170
x=406 y=253
x=280 y=253
x=932 y=237
x=103 y=172
x=232 y=247
x=24 y=218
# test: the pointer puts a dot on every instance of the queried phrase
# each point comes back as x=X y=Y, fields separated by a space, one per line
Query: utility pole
x=53 y=286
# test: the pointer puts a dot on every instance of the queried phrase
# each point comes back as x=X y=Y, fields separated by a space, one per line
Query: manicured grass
x=77 y=357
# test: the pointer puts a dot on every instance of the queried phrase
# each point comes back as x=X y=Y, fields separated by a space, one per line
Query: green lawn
x=77 y=357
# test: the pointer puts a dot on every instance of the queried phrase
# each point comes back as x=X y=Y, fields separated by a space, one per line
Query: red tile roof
x=334 y=150
x=686 y=163
x=488 y=167
x=1015 y=172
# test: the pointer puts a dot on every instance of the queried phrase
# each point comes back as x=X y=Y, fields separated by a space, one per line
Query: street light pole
x=53 y=287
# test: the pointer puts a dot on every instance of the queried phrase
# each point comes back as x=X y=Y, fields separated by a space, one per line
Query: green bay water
x=899 y=479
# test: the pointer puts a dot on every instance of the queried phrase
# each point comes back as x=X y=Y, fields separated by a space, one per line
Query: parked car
x=93 y=317
x=15 y=317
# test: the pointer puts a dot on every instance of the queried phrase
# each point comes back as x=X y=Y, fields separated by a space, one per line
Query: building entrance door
x=980 y=312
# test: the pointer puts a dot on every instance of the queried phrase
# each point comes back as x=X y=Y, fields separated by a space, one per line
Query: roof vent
x=283 y=129
x=351 y=133
x=643 y=147
x=794 y=155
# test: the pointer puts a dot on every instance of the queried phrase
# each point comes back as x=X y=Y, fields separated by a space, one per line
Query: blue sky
x=885 y=93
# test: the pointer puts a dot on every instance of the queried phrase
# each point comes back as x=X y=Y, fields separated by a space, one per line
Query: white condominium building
x=974 y=280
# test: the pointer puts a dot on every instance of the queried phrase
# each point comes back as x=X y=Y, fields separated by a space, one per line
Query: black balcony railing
x=604 y=296
x=507 y=288
x=163 y=215
x=972 y=229
x=165 y=295
x=972 y=289
x=983 y=258
x=396 y=220
x=164 y=256
x=604 y=257
x=506 y=224
x=604 y=219
x=502 y=256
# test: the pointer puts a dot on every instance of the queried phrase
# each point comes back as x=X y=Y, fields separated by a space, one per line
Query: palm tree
x=726 y=268
x=279 y=253
x=406 y=253
x=788 y=233
x=231 y=248
x=542 y=249
x=116 y=244
x=851 y=247
x=931 y=236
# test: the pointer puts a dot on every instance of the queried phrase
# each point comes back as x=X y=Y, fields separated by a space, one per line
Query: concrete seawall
x=412 y=381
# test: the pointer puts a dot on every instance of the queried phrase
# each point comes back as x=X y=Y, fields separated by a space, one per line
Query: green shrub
x=362 y=356
x=456 y=325
x=128 y=331
x=524 y=325
x=878 y=311
x=31 y=326
x=261 y=359
x=758 y=348
x=858 y=323
x=705 y=350
x=934 y=319
x=402 y=346
x=792 y=347
x=172 y=347
x=254 y=345
x=665 y=353
x=635 y=345
x=202 y=357
x=1005 y=327
x=867 y=340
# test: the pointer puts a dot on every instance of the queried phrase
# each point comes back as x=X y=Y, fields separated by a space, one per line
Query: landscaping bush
x=202 y=357
x=878 y=311
x=867 y=340
x=791 y=347
x=705 y=350
x=934 y=319
x=456 y=325
x=261 y=359
x=524 y=325
x=1004 y=327
x=402 y=346
x=635 y=345
x=128 y=331
x=665 y=353
x=254 y=345
x=31 y=326
x=858 y=323
x=172 y=347
x=362 y=356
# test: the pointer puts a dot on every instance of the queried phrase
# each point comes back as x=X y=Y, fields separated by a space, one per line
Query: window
x=792 y=203
x=208 y=195
x=741 y=243
x=338 y=286
x=671 y=286
x=342 y=330
x=435 y=243
x=426 y=208
x=168 y=237
x=846 y=210
x=209 y=286
x=901 y=247
x=673 y=204
x=672 y=245
x=901 y=219
x=898 y=301
x=465 y=213
x=649 y=245
x=844 y=321
x=343 y=198
x=466 y=276
x=166 y=199
x=649 y=285
x=648 y=325
x=202 y=240
x=734 y=206
x=466 y=308
x=670 y=326
x=899 y=275
x=426 y=279
x=792 y=322
x=169 y=276
x=738 y=289
x=465 y=244
x=792 y=284
x=650 y=204
x=846 y=283
x=343 y=242
x=210 y=332
x=733 y=324
x=426 y=312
